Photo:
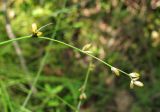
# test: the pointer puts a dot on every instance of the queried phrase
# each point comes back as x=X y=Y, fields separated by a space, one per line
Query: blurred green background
x=124 y=33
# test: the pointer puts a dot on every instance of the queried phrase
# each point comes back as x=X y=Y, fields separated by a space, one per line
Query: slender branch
x=71 y=106
x=44 y=26
x=16 y=39
x=12 y=36
x=83 y=88
x=35 y=81
x=63 y=43
x=79 y=50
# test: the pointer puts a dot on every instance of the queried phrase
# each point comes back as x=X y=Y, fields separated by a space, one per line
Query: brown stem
x=12 y=36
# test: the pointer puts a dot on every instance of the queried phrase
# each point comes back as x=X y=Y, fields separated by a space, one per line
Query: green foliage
x=123 y=33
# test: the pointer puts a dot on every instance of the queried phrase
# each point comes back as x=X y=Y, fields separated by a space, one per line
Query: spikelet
x=138 y=83
x=82 y=96
x=115 y=70
x=134 y=75
x=35 y=32
x=86 y=47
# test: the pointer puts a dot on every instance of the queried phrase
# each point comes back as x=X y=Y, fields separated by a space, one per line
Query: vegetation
x=79 y=55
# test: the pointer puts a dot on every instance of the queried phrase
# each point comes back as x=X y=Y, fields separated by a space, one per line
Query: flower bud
x=138 y=83
x=34 y=27
x=115 y=70
x=134 y=75
x=82 y=96
x=86 y=47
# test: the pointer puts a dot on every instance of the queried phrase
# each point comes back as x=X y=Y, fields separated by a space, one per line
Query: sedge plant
x=36 y=33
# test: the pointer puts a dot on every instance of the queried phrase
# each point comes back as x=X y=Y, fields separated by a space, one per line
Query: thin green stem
x=87 y=76
x=79 y=105
x=35 y=81
x=84 y=86
x=6 y=99
x=44 y=26
x=69 y=105
x=16 y=39
x=77 y=49
x=63 y=43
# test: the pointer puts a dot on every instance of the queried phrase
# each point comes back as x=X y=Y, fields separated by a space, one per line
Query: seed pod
x=115 y=70
x=86 y=47
x=138 y=83
x=134 y=75
x=82 y=96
